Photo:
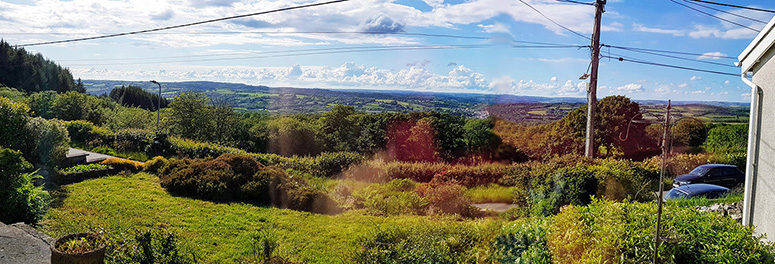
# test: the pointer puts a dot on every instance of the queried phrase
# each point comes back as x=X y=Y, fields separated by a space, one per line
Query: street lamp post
x=158 y=106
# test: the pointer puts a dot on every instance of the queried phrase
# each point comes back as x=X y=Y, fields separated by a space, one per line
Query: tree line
x=33 y=73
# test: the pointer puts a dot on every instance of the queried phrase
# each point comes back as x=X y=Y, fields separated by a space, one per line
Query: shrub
x=607 y=232
x=196 y=149
x=155 y=164
x=80 y=131
x=445 y=197
x=124 y=164
x=22 y=201
x=393 y=198
x=432 y=243
x=571 y=185
x=81 y=168
x=328 y=164
x=48 y=141
x=239 y=177
x=522 y=242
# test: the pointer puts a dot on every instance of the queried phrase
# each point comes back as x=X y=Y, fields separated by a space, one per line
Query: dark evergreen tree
x=32 y=72
x=133 y=96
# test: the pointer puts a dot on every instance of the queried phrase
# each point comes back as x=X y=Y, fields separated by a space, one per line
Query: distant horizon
x=376 y=90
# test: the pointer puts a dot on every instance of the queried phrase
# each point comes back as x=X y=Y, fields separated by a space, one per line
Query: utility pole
x=589 y=149
x=665 y=139
x=158 y=107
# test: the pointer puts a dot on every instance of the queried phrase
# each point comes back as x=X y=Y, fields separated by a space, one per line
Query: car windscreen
x=699 y=171
x=674 y=194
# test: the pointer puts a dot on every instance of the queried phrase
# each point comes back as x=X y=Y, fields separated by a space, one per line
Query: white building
x=758 y=72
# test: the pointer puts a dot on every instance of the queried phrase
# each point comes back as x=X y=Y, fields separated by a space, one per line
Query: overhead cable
x=668 y=65
x=185 y=25
x=555 y=22
x=727 y=12
x=736 y=6
x=717 y=17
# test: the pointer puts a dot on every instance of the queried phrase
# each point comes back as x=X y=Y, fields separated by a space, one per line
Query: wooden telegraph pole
x=589 y=149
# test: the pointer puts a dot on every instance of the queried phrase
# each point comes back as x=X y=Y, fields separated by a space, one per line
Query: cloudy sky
x=434 y=45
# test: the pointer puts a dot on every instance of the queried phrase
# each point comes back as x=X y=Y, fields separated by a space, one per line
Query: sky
x=475 y=46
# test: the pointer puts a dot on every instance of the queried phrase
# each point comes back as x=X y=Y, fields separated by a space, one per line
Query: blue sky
x=242 y=51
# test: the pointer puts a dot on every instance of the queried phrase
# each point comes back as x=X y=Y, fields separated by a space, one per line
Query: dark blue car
x=709 y=191
x=718 y=174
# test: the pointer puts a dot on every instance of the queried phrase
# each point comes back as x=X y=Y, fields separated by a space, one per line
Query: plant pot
x=93 y=256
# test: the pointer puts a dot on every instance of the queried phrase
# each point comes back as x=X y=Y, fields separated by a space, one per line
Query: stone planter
x=94 y=256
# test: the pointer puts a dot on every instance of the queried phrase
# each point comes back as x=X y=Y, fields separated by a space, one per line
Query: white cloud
x=632 y=87
x=712 y=56
x=103 y=16
x=347 y=75
x=642 y=28
x=495 y=28
x=698 y=92
x=726 y=82
x=554 y=79
x=683 y=85
x=695 y=78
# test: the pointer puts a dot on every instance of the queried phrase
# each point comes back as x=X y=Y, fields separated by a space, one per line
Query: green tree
x=337 y=130
x=191 y=116
x=293 y=135
x=689 y=132
x=32 y=72
x=42 y=103
x=479 y=136
x=727 y=138
x=13 y=118
x=133 y=96
x=79 y=106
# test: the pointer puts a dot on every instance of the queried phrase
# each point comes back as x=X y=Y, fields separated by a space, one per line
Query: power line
x=681 y=58
x=717 y=17
x=727 y=12
x=555 y=22
x=670 y=52
x=736 y=6
x=300 y=32
x=185 y=25
x=668 y=65
x=576 y=2
x=278 y=51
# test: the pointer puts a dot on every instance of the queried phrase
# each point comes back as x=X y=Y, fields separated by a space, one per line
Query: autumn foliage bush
x=123 y=164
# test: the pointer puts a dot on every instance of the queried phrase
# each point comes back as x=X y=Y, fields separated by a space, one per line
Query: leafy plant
x=81 y=168
x=80 y=245
x=123 y=164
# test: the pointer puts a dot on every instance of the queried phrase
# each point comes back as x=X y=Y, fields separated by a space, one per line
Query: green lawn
x=216 y=232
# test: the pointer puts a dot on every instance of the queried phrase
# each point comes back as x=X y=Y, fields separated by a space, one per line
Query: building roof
x=760 y=45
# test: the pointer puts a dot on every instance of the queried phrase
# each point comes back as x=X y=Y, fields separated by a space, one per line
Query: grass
x=216 y=232
x=702 y=201
x=491 y=193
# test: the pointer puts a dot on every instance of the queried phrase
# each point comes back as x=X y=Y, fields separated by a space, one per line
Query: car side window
x=715 y=173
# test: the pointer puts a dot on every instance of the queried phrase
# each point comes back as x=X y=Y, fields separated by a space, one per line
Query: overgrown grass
x=491 y=193
x=702 y=201
x=216 y=232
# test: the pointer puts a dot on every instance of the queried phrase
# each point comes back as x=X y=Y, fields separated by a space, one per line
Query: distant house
x=758 y=63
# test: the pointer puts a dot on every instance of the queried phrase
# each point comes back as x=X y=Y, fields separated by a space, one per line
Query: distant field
x=535 y=113
x=521 y=109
